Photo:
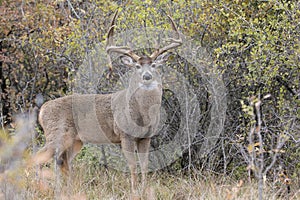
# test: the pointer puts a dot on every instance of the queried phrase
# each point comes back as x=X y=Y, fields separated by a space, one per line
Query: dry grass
x=90 y=182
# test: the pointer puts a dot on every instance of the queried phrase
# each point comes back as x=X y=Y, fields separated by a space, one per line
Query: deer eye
x=153 y=65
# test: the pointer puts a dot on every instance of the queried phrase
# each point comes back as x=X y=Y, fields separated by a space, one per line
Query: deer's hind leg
x=42 y=156
x=65 y=158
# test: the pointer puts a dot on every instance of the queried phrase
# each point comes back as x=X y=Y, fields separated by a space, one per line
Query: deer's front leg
x=143 y=146
x=128 y=148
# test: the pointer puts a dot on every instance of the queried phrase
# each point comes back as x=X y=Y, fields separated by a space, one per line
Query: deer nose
x=147 y=76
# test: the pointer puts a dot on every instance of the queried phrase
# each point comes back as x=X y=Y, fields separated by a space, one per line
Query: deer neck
x=151 y=86
x=144 y=104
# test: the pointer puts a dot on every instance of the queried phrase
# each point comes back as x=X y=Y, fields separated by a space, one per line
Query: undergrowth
x=96 y=182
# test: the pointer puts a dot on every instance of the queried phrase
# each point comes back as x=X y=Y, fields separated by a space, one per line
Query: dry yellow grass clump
x=93 y=182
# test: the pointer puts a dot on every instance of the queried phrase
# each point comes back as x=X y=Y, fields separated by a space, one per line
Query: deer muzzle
x=147 y=76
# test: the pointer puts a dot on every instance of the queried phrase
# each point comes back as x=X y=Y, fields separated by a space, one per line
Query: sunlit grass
x=90 y=182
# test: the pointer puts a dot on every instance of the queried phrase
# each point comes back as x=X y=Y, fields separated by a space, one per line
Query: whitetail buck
x=129 y=117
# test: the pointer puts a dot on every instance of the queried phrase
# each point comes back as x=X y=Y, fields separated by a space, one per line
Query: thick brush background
x=255 y=45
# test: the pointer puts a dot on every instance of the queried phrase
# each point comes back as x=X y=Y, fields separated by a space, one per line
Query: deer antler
x=117 y=49
x=110 y=47
x=175 y=42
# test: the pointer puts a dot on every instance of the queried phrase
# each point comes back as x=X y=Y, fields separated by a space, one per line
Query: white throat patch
x=153 y=85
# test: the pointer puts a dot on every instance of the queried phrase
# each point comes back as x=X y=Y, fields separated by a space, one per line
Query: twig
x=73 y=10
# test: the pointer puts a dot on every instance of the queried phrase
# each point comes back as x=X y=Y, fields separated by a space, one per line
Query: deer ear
x=161 y=59
x=128 y=61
